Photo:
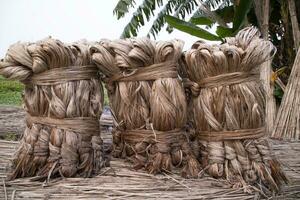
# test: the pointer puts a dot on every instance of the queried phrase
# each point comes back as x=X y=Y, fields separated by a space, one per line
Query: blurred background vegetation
x=11 y=92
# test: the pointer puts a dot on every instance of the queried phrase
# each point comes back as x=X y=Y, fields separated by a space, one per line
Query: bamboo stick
x=266 y=72
x=295 y=25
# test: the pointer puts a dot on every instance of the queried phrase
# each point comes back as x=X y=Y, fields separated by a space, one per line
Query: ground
x=121 y=182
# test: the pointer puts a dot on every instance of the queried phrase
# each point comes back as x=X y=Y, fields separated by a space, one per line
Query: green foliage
x=214 y=4
x=223 y=32
x=146 y=10
x=123 y=7
x=106 y=100
x=10 y=92
x=180 y=9
x=238 y=20
x=278 y=93
x=159 y=22
x=10 y=137
x=201 y=21
x=191 y=28
x=225 y=11
x=240 y=14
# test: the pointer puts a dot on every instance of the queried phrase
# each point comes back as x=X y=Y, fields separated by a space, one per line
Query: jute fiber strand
x=63 y=99
x=148 y=101
x=227 y=104
x=287 y=124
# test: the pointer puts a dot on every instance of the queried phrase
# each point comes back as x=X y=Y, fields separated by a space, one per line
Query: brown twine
x=64 y=74
x=82 y=125
x=153 y=136
x=168 y=149
x=220 y=80
x=240 y=134
x=228 y=79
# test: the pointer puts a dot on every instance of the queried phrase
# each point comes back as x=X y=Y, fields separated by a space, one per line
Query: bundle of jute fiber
x=287 y=121
x=63 y=99
x=148 y=102
x=228 y=110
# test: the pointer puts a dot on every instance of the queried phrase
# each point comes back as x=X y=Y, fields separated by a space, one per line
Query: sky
x=68 y=21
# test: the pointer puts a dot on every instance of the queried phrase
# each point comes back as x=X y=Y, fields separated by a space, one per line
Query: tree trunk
x=295 y=26
x=266 y=72
x=258 y=12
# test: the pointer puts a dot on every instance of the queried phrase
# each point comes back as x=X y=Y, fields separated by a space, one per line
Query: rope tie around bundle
x=63 y=99
x=240 y=134
x=82 y=125
x=220 y=80
x=147 y=99
x=227 y=105
x=61 y=75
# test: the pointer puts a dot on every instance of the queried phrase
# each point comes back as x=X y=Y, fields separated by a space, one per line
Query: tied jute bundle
x=63 y=98
x=227 y=103
x=148 y=102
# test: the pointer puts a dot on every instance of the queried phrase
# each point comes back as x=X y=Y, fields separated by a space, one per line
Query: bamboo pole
x=258 y=8
x=266 y=72
x=295 y=26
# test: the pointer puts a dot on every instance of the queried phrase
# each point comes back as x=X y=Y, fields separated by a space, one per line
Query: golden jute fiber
x=148 y=102
x=63 y=99
x=227 y=104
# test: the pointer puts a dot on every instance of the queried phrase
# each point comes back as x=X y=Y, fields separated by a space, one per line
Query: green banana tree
x=158 y=9
x=235 y=14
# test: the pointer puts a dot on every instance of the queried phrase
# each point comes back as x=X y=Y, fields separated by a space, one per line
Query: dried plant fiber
x=287 y=124
x=228 y=110
x=148 y=101
x=63 y=99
